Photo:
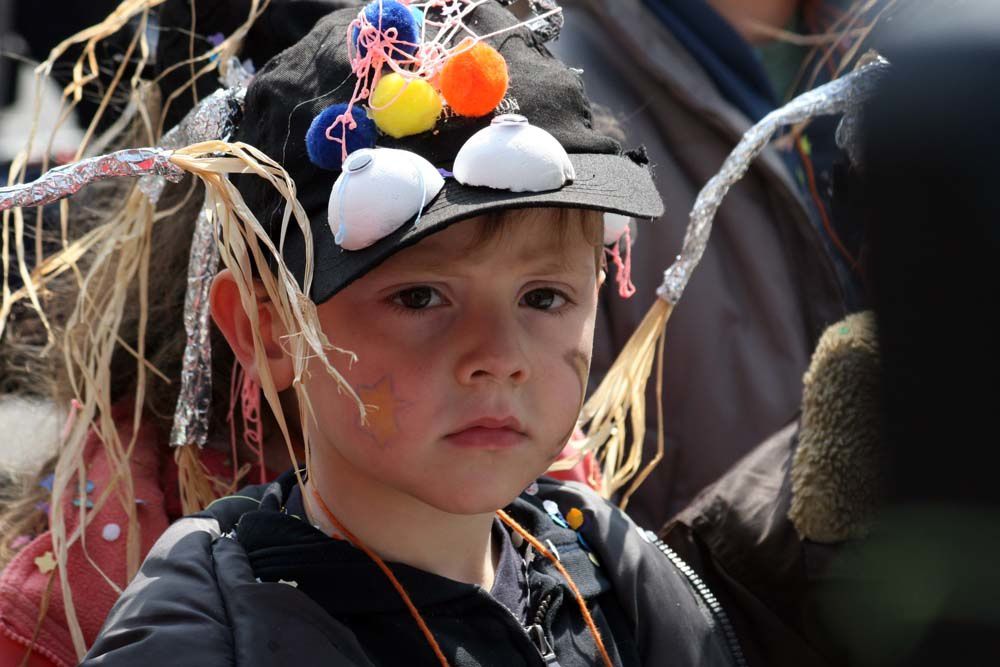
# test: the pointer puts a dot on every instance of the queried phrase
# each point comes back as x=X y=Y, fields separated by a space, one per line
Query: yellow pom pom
x=402 y=107
x=574 y=518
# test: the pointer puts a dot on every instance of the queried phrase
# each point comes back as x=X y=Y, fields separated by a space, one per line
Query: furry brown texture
x=835 y=472
x=22 y=351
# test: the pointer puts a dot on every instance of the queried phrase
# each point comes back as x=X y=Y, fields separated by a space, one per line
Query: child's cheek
x=383 y=405
x=568 y=409
x=579 y=361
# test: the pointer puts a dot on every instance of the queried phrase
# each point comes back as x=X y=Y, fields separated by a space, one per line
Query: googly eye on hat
x=511 y=154
x=475 y=118
x=360 y=214
x=615 y=226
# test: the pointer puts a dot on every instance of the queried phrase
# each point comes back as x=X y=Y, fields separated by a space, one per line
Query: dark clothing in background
x=728 y=60
x=928 y=195
x=740 y=340
x=42 y=25
x=741 y=74
x=912 y=580
x=738 y=537
x=281 y=25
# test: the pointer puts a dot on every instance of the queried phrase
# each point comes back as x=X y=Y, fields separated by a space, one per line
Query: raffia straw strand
x=222 y=53
x=120 y=252
x=660 y=435
x=242 y=236
x=618 y=404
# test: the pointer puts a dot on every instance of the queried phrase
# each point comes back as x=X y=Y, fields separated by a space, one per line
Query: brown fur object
x=835 y=471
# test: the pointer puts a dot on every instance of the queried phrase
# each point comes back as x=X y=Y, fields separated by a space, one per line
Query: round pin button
x=111 y=532
x=359 y=160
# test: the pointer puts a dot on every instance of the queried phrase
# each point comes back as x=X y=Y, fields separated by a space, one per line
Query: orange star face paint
x=383 y=405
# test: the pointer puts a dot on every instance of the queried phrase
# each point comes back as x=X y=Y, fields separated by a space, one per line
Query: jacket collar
x=345 y=581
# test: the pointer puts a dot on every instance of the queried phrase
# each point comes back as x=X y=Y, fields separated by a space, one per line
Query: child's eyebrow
x=557 y=263
x=538 y=259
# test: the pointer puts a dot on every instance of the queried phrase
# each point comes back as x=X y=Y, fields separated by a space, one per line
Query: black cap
x=298 y=83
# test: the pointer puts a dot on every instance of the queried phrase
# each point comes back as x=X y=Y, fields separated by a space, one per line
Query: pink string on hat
x=74 y=410
x=623 y=266
x=246 y=390
x=377 y=48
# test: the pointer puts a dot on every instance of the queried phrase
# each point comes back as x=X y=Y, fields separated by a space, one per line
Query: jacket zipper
x=536 y=629
x=536 y=632
x=541 y=642
x=709 y=598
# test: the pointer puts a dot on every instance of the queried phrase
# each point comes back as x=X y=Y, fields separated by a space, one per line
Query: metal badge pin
x=509 y=119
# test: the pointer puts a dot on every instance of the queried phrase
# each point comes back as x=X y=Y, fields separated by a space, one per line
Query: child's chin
x=482 y=498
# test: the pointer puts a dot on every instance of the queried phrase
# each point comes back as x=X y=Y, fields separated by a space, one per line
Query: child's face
x=473 y=360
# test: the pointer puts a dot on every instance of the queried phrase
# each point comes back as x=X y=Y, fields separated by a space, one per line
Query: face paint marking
x=385 y=404
x=580 y=362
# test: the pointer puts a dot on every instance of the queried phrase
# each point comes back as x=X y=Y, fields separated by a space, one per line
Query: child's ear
x=602 y=275
x=238 y=328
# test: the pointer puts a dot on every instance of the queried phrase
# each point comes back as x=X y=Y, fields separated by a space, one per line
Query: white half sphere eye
x=378 y=191
x=511 y=154
x=614 y=226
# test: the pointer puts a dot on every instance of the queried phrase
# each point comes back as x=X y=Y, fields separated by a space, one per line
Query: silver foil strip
x=548 y=28
x=842 y=95
x=848 y=136
x=61 y=182
x=849 y=130
x=192 y=414
x=236 y=74
x=215 y=117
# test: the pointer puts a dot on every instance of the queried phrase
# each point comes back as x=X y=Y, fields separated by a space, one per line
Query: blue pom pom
x=327 y=154
x=394 y=15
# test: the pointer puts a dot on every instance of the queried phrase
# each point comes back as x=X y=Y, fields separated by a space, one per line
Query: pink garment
x=586 y=471
x=22 y=584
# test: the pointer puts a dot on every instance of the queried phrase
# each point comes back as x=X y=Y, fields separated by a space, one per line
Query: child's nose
x=493 y=351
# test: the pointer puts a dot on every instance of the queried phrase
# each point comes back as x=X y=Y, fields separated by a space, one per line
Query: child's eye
x=418 y=298
x=543 y=299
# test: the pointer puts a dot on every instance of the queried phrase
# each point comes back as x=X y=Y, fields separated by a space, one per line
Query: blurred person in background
x=688 y=78
x=925 y=583
x=864 y=533
x=29 y=30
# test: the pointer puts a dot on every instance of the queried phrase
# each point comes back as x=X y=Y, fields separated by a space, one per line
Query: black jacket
x=202 y=598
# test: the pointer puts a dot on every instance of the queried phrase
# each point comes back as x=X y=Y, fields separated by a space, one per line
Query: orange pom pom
x=475 y=80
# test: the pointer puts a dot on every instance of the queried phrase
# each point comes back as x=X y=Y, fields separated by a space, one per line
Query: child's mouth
x=488 y=433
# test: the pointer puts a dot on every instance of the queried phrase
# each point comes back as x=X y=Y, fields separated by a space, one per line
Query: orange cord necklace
x=415 y=613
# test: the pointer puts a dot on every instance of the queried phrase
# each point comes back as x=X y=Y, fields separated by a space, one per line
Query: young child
x=459 y=261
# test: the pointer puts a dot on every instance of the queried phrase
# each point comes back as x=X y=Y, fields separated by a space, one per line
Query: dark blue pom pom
x=394 y=15
x=327 y=154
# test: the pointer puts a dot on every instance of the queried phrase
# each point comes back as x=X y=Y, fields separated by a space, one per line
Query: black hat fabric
x=298 y=83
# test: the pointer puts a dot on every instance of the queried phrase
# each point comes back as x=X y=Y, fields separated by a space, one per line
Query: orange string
x=414 y=612
x=588 y=619
x=818 y=200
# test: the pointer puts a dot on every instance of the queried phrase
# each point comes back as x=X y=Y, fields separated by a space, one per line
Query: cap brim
x=603 y=182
